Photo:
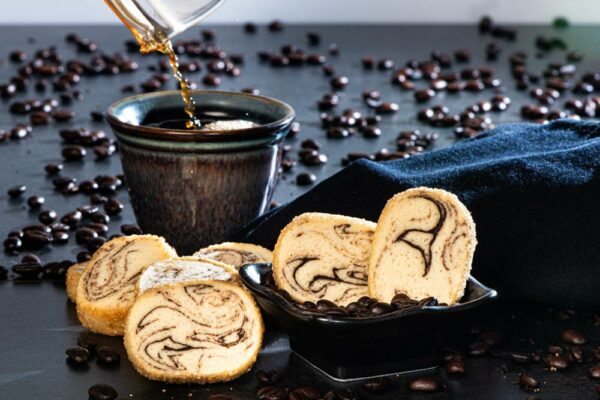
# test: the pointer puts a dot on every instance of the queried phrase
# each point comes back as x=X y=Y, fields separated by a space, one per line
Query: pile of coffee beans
x=365 y=307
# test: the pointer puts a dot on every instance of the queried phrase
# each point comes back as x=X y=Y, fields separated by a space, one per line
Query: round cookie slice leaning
x=323 y=257
x=236 y=254
x=106 y=288
x=423 y=247
x=194 y=332
x=72 y=281
x=183 y=269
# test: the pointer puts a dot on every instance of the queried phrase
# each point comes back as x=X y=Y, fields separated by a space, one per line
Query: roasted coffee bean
x=371 y=132
x=53 y=168
x=95 y=243
x=528 y=383
x=576 y=353
x=37 y=239
x=39 y=118
x=325 y=305
x=19 y=132
x=63 y=115
x=102 y=391
x=250 y=27
x=87 y=340
x=305 y=393
x=342 y=394
x=380 y=308
x=47 y=217
x=339 y=82
x=519 y=358
x=83 y=256
x=387 y=108
x=211 y=80
x=107 y=356
x=424 y=384
x=478 y=348
x=377 y=385
x=16 y=191
x=27 y=270
x=337 y=132
x=574 y=337
x=30 y=258
x=131 y=229
x=271 y=393
x=60 y=237
x=594 y=371
x=456 y=366
x=73 y=153
x=12 y=244
x=83 y=235
x=275 y=26
x=100 y=218
x=35 y=202
x=78 y=355
x=305 y=179
x=72 y=219
x=424 y=95
x=554 y=362
x=113 y=207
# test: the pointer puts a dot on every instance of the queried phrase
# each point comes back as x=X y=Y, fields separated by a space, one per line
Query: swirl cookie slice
x=184 y=269
x=236 y=254
x=323 y=256
x=73 y=274
x=423 y=247
x=106 y=288
x=194 y=332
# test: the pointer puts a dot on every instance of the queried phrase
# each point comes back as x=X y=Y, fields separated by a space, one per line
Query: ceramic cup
x=197 y=188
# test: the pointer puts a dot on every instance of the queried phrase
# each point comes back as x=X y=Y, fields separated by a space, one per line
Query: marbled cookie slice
x=183 y=269
x=73 y=274
x=236 y=254
x=106 y=288
x=194 y=332
x=423 y=246
x=323 y=256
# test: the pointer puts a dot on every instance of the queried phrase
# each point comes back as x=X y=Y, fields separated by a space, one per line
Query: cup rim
x=181 y=135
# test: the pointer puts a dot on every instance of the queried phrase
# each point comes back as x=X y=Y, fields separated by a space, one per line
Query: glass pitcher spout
x=154 y=22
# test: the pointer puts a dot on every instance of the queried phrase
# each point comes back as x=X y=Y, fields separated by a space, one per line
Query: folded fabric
x=533 y=190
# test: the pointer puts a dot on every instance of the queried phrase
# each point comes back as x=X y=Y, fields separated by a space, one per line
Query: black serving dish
x=347 y=348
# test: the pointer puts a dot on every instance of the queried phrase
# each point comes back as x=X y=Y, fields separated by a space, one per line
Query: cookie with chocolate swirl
x=236 y=254
x=73 y=274
x=194 y=332
x=106 y=289
x=423 y=247
x=183 y=269
x=323 y=257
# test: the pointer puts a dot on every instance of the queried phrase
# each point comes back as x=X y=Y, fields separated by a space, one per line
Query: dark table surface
x=37 y=323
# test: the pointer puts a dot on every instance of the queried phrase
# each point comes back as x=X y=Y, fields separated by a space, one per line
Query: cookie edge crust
x=110 y=321
x=185 y=377
x=458 y=292
x=72 y=280
x=235 y=276
x=310 y=217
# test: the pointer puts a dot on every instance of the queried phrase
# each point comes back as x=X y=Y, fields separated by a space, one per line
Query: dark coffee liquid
x=174 y=118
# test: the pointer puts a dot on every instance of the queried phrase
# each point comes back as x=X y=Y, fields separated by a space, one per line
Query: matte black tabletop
x=37 y=323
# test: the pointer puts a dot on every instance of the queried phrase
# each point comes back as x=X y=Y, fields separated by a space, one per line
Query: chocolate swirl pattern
x=324 y=256
x=423 y=246
x=200 y=331
x=236 y=254
x=107 y=286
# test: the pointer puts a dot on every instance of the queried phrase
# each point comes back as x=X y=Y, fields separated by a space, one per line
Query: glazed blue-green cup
x=193 y=187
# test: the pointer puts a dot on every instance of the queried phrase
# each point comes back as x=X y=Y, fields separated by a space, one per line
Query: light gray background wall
x=339 y=11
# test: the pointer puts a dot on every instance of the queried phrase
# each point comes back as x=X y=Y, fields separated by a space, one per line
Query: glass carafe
x=153 y=22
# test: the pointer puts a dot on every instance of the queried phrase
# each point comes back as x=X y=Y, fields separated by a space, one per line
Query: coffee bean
x=211 y=80
x=12 y=244
x=380 y=308
x=387 y=108
x=339 y=82
x=337 y=132
x=95 y=243
x=131 y=229
x=527 y=382
x=478 y=349
x=99 y=228
x=73 y=153
x=35 y=202
x=72 y=219
x=83 y=235
x=63 y=115
x=113 y=207
x=271 y=393
x=574 y=337
x=27 y=270
x=107 y=356
x=424 y=384
x=267 y=377
x=577 y=353
x=305 y=179
x=78 y=355
x=343 y=394
x=456 y=366
x=377 y=385
x=276 y=26
x=594 y=371
x=47 y=217
x=102 y=391
x=554 y=362
x=220 y=397
x=371 y=132
x=37 y=239
x=325 y=305
x=385 y=64
x=250 y=27
x=424 y=95
x=16 y=191
x=87 y=340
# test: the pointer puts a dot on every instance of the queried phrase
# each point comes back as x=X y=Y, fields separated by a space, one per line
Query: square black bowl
x=347 y=348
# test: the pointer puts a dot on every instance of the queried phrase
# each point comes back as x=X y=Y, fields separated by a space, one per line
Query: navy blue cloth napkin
x=533 y=190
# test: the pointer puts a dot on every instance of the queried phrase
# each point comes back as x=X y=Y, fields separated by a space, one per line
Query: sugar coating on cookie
x=183 y=269
x=194 y=332
x=423 y=247
x=107 y=289
x=236 y=254
x=323 y=256
x=72 y=280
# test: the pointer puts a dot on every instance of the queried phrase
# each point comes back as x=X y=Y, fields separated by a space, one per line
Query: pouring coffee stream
x=154 y=22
